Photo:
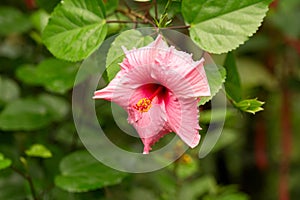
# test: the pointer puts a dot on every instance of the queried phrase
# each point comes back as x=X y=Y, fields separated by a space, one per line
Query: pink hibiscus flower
x=159 y=87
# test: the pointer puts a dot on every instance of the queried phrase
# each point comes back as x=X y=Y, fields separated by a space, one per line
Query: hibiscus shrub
x=164 y=63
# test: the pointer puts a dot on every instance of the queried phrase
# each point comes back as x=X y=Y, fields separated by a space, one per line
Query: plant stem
x=167 y=7
x=286 y=143
x=134 y=16
x=177 y=179
x=28 y=179
x=124 y=22
x=155 y=9
x=178 y=27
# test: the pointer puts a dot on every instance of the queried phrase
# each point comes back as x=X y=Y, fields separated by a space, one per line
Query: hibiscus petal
x=143 y=56
x=159 y=43
x=173 y=106
x=172 y=58
x=108 y=92
x=151 y=125
x=149 y=142
x=183 y=64
x=174 y=81
x=197 y=78
x=138 y=94
x=182 y=115
x=123 y=88
x=120 y=90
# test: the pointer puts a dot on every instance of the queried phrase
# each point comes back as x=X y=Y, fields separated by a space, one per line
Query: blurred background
x=257 y=156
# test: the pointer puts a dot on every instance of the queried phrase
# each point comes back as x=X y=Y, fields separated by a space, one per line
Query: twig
x=134 y=16
x=28 y=179
x=155 y=9
x=124 y=22
x=178 y=27
x=286 y=143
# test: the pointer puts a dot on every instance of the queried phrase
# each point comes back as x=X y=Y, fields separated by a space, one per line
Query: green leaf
x=249 y=105
x=4 y=162
x=27 y=74
x=187 y=167
x=81 y=172
x=65 y=133
x=55 y=75
x=57 y=107
x=32 y=114
x=228 y=194
x=9 y=90
x=76 y=29
x=129 y=39
x=221 y=26
x=216 y=77
x=138 y=193
x=174 y=8
x=12 y=187
x=13 y=21
x=218 y=115
x=255 y=74
x=237 y=196
x=47 y=5
x=39 y=19
x=38 y=150
x=111 y=6
x=164 y=181
x=227 y=137
x=232 y=84
x=24 y=162
x=24 y=114
x=205 y=184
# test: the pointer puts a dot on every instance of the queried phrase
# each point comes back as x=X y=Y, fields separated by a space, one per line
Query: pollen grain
x=143 y=105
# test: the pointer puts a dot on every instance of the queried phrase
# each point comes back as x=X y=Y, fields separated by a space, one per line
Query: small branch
x=28 y=179
x=286 y=144
x=47 y=190
x=178 y=182
x=108 y=193
x=155 y=9
x=260 y=143
x=18 y=171
x=178 y=27
x=124 y=22
x=127 y=6
x=133 y=16
x=32 y=189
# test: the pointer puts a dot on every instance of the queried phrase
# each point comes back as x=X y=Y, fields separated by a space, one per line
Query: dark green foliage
x=41 y=155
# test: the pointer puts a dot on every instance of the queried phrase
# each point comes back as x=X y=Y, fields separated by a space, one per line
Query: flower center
x=144 y=104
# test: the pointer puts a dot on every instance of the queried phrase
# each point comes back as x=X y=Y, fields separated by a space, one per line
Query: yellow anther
x=143 y=105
